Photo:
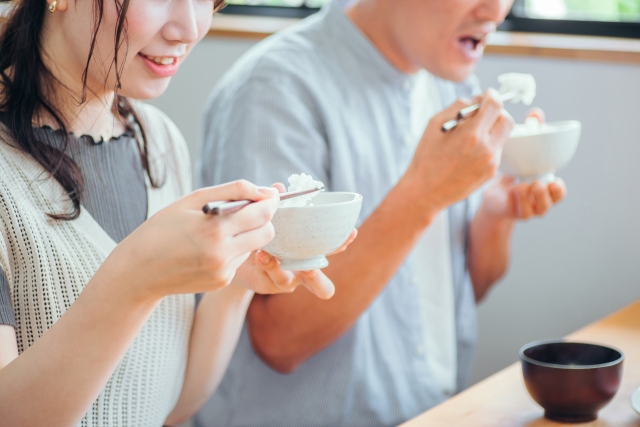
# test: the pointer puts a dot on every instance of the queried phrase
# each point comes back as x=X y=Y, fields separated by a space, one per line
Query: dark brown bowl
x=571 y=381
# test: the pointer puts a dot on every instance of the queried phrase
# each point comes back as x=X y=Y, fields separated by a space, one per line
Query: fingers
x=280 y=187
x=451 y=112
x=236 y=190
x=537 y=114
x=316 y=282
x=351 y=238
x=284 y=281
x=252 y=240
x=523 y=205
x=250 y=217
x=541 y=198
x=557 y=190
x=489 y=112
x=536 y=199
x=501 y=129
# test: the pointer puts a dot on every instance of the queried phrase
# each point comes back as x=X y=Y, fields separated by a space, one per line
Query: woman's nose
x=183 y=25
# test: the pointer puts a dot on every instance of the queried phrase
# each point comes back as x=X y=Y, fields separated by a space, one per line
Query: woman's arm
x=216 y=329
x=178 y=250
x=219 y=321
x=55 y=381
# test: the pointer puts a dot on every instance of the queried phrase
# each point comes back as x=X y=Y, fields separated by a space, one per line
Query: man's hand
x=506 y=199
x=520 y=201
x=447 y=167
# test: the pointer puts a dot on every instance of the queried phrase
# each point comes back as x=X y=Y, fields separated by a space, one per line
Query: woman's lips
x=472 y=48
x=165 y=66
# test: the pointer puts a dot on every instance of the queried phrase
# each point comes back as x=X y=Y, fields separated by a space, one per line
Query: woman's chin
x=145 y=89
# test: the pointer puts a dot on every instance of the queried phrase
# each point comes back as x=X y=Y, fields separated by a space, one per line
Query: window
x=288 y=8
x=616 y=18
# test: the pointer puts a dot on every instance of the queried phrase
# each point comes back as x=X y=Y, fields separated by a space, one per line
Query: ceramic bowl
x=571 y=381
x=537 y=157
x=304 y=235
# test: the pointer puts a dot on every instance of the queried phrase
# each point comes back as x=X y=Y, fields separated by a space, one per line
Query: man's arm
x=503 y=204
x=288 y=329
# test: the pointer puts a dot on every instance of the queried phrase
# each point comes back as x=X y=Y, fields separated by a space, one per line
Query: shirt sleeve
x=7 y=316
x=264 y=130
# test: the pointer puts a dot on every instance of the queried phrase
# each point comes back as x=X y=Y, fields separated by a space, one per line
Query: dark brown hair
x=27 y=90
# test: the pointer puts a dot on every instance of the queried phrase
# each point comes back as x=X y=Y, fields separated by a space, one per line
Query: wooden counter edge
x=623 y=317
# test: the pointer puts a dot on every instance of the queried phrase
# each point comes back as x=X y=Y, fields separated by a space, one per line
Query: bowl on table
x=306 y=234
x=571 y=381
x=536 y=155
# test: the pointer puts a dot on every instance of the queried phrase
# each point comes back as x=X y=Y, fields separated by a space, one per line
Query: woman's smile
x=162 y=66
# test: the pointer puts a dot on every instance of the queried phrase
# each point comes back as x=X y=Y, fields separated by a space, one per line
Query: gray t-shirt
x=115 y=192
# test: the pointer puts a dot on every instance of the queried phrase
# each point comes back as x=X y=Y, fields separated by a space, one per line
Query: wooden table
x=502 y=400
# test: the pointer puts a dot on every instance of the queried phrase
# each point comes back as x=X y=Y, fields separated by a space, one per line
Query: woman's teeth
x=161 y=60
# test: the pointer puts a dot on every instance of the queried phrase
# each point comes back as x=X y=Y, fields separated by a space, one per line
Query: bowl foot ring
x=304 y=264
x=565 y=418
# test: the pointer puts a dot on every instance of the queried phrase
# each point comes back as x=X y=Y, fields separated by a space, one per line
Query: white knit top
x=48 y=263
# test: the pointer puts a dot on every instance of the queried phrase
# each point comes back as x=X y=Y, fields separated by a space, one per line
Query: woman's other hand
x=262 y=274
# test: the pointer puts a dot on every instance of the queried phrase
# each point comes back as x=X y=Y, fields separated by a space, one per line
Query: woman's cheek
x=204 y=17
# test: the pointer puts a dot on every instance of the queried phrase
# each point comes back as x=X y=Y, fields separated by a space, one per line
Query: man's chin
x=455 y=73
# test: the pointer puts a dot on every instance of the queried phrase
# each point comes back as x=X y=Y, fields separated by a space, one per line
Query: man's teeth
x=161 y=60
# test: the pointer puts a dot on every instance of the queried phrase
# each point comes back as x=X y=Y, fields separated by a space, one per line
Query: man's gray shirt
x=319 y=98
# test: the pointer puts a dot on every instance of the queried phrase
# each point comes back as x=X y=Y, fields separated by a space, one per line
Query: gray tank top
x=115 y=192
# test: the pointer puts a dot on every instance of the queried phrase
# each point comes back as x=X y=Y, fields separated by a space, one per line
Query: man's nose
x=493 y=10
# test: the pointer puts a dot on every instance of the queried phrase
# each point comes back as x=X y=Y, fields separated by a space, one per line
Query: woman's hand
x=262 y=274
x=182 y=250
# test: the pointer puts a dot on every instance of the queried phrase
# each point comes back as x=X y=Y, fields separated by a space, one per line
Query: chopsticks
x=467 y=111
x=227 y=207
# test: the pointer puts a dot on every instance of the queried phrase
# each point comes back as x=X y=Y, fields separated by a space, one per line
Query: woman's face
x=160 y=35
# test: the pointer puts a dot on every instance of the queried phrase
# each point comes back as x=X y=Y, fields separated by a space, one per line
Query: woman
x=99 y=255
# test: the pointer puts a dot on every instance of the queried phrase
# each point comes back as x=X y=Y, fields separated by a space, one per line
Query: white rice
x=523 y=84
x=531 y=126
x=301 y=182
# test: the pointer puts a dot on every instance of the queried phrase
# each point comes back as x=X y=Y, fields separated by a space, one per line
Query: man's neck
x=371 y=19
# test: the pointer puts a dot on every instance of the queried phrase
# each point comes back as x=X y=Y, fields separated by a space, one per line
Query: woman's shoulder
x=165 y=143
x=157 y=124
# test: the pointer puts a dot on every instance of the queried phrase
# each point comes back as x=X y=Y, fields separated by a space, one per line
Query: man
x=345 y=96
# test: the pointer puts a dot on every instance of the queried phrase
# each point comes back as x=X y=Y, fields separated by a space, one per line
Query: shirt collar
x=359 y=44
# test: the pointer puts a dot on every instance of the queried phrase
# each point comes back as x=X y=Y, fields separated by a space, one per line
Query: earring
x=53 y=6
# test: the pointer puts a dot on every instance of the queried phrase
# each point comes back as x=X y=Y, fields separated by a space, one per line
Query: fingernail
x=268 y=191
x=264 y=258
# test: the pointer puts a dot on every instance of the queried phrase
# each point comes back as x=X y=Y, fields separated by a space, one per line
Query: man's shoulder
x=298 y=53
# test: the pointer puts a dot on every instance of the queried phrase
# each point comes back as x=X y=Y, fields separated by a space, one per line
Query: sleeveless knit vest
x=48 y=263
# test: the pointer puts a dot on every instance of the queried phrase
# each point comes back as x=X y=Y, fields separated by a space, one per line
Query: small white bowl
x=304 y=235
x=537 y=157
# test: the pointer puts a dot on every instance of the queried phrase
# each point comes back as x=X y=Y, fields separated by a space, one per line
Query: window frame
x=271 y=11
x=625 y=29
x=511 y=23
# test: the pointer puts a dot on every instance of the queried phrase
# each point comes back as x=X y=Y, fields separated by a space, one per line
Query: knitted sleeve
x=6 y=309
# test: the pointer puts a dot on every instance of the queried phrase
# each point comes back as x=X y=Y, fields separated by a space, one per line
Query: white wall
x=577 y=265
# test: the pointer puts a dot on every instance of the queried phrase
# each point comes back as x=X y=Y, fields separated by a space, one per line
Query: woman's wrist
x=234 y=295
